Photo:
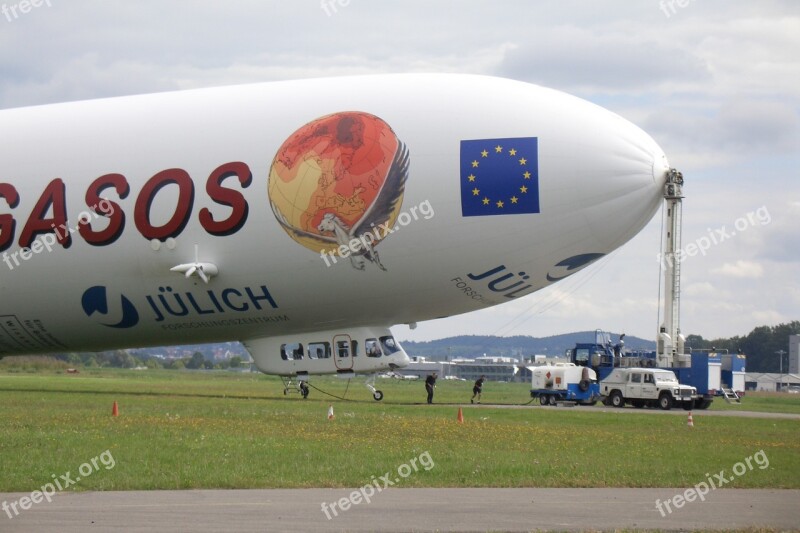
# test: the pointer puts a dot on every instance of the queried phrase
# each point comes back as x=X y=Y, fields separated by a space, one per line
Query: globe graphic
x=336 y=164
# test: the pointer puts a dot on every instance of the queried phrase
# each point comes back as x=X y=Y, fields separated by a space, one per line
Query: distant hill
x=460 y=346
x=209 y=351
x=521 y=345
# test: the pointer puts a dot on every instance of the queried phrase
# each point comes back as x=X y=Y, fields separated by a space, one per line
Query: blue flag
x=499 y=176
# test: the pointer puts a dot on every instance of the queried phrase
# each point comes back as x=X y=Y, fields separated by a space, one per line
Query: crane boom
x=670 y=341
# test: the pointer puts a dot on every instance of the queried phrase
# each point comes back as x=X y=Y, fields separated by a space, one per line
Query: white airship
x=305 y=218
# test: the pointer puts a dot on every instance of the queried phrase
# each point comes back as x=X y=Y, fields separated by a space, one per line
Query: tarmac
x=397 y=509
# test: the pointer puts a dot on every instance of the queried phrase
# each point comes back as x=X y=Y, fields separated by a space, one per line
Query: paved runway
x=404 y=510
x=679 y=412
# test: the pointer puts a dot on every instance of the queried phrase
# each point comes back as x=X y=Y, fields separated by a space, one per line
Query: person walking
x=477 y=389
x=430 y=384
x=304 y=389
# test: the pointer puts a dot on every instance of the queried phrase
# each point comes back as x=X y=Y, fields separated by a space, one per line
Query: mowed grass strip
x=214 y=430
x=256 y=385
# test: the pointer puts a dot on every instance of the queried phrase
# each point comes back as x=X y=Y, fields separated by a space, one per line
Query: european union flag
x=499 y=176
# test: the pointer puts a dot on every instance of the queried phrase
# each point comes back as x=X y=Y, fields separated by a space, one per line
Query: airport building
x=420 y=367
x=789 y=380
x=514 y=370
x=494 y=368
x=771 y=381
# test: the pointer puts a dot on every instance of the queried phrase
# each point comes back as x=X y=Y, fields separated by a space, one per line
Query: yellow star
x=523 y=189
x=512 y=152
x=498 y=149
x=475 y=191
x=523 y=161
x=500 y=203
x=527 y=175
x=513 y=199
x=471 y=177
x=485 y=201
x=484 y=154
x=474 y=164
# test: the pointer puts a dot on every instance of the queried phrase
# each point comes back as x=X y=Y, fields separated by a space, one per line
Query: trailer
x=564 y=382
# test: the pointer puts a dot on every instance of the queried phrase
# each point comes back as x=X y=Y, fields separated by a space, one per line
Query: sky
x=715 y=83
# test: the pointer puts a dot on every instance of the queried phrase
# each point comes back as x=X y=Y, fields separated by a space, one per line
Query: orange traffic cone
x=460 y=416
x=115 y=410
x=690 y=422
x=331 y=416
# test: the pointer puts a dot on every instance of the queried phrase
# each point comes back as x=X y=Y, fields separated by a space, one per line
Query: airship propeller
x=204 y=271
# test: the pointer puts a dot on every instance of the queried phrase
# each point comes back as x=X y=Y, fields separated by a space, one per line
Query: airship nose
x=623 y=185
x=640 y=178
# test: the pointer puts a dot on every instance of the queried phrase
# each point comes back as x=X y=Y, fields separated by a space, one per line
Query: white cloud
x=782 y=240
x=591 y=60
x=703 y=288
x=740 y=269
x=769 y=317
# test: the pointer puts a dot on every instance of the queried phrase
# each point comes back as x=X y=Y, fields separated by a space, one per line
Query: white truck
x=647 y=387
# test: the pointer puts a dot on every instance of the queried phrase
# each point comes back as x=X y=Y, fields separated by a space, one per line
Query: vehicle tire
x=552 y=400
x=583 y=385
x=378 y=395
x=616 y=399
x=542 y=400
x=702 y=404
x=665 y=401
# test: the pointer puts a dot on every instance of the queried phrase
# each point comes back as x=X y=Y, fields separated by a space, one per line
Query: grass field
x=225 y=430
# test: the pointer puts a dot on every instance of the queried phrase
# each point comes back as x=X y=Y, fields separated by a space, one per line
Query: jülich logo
x=170 y=302
x=95 y=300
x=503 y=283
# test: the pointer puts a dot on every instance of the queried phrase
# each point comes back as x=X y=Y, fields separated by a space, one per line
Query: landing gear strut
x=370 y=384
x=289 y=386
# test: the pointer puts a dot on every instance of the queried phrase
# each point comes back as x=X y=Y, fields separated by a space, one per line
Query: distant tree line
x=760 y=346
x=133 y=359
